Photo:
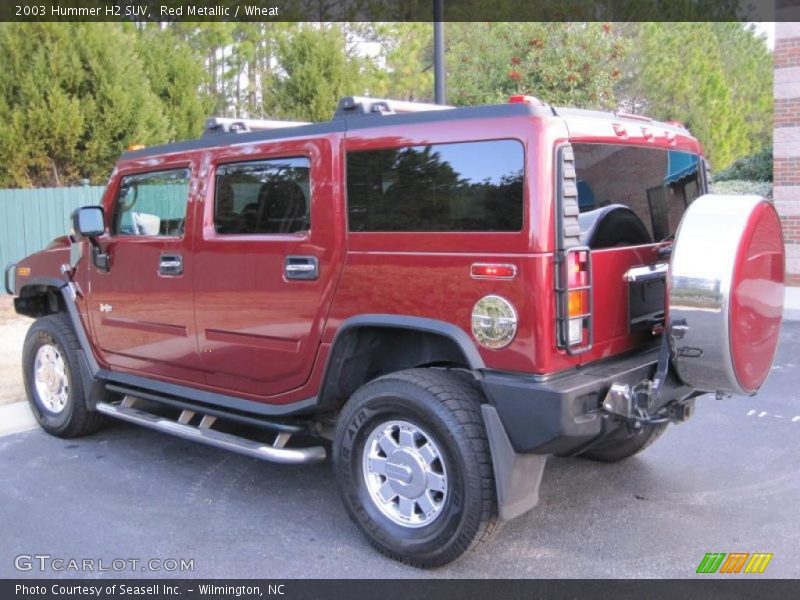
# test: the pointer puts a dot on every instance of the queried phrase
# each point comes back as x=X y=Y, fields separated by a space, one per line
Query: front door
x=266 y=263
x=142 y=309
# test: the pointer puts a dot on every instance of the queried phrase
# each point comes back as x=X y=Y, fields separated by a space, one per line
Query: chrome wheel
x=405 y=473
x=50 y=378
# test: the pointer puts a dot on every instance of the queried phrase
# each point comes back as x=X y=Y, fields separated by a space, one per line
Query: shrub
x=756 y=167
x=739 y=187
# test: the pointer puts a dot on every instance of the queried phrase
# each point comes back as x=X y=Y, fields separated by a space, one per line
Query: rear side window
x=263 y=197
x=630 y=195
x=152 y=204
x=474 y=186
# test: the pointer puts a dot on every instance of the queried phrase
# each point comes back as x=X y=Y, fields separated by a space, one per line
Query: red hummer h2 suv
x=439 y=297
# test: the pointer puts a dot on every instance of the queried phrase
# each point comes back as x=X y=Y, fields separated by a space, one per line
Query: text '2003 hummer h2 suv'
x=450 y=295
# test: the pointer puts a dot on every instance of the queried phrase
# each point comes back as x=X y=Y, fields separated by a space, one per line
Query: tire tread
x=83 y=421
x=461 y=396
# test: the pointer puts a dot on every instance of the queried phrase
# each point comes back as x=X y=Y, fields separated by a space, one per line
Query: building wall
x=786 y=151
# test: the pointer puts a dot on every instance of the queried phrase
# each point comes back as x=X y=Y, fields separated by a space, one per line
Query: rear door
x=142 y=308
x=631 y=200
x=269 y=254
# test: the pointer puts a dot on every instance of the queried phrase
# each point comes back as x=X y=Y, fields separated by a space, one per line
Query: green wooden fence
x=30 y=219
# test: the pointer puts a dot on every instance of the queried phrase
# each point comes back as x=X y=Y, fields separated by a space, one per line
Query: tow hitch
x=639 y=405
x=635 y=406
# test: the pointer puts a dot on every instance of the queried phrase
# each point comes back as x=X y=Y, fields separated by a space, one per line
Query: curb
x=791 y=304
x=16 y=418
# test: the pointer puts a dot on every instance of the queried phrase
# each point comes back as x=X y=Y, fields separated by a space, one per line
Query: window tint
x=268 y=196
x=152 y=204
x=474 y=186
x=629 y=195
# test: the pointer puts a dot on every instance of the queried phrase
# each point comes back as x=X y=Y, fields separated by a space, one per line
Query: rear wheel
x=413 y=466
x=625 y=445
x=52 y=379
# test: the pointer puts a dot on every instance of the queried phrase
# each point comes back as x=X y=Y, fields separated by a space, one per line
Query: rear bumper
x=562 y=415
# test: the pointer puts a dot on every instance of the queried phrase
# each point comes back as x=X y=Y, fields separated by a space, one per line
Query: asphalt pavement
x=726 y=481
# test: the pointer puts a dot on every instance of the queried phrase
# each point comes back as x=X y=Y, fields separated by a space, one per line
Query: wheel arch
x=43 y=296
x=370 y=345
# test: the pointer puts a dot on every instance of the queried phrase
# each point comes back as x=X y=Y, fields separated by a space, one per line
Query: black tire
x=625 y=445
x=447 y=407
x=620 y=228
x=74 y=419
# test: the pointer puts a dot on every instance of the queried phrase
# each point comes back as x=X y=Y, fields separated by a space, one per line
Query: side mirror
x=89 y=221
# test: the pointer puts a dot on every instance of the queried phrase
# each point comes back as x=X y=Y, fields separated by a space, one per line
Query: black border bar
x=703 y=587
x=396 y=10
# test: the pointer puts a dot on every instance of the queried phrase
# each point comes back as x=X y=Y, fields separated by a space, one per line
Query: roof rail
x=220 y=125
x=360 y=105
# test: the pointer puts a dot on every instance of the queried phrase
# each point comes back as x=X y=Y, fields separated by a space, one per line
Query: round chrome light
x=494 y=322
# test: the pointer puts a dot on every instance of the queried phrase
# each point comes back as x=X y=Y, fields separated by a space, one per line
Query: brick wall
x=787 y=139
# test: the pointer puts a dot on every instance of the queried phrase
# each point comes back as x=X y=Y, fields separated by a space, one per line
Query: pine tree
x=176 y=76
x=315 y=73
x=715 y=78
x=74 y=97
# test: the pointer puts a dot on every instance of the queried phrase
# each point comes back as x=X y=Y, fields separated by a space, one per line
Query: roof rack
x=360 y=105
x=221 y=125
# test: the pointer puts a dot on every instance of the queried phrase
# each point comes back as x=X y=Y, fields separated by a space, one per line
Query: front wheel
x=52 y=379
x=413 y=466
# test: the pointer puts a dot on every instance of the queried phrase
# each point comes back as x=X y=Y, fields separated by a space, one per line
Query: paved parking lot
x=727 y=481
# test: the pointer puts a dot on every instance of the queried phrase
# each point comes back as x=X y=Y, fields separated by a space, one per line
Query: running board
x=204 y=434
x=278 y=424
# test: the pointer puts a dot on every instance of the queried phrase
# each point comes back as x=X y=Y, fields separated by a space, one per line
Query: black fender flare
x=424 y=324
x=89 y=366
x=517 y=476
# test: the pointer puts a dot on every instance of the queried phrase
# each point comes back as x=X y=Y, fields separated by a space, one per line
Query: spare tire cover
x=725 y=293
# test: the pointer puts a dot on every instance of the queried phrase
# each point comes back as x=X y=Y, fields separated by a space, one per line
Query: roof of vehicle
x=359 y=113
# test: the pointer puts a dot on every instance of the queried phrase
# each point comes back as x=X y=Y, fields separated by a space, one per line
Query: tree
x=715 y=78
x=315 y=73
x=176 y=76
x=573 y=64
x=747 y=64
x=74 y=97
x=401 y=66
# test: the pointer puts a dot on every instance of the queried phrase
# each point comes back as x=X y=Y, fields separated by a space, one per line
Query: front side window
x=472 y=186
x=629 y=195
x=152 y=204
x=263 y=197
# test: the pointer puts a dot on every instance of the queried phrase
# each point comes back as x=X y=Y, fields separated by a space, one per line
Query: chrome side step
x=204 y=434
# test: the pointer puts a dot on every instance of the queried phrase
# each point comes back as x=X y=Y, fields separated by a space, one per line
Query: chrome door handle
x=170 y=265
x=301 y=268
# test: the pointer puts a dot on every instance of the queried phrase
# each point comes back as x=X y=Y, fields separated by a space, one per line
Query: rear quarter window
x=470 y=186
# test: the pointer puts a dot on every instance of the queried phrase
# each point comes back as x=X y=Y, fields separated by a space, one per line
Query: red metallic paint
x=757 y=297
x=258 y=332
x=233 y=324
x=150 y=328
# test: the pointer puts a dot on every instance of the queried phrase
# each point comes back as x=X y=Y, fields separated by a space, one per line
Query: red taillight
x=576 y=305
x=493 y=271
x=578 y=297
